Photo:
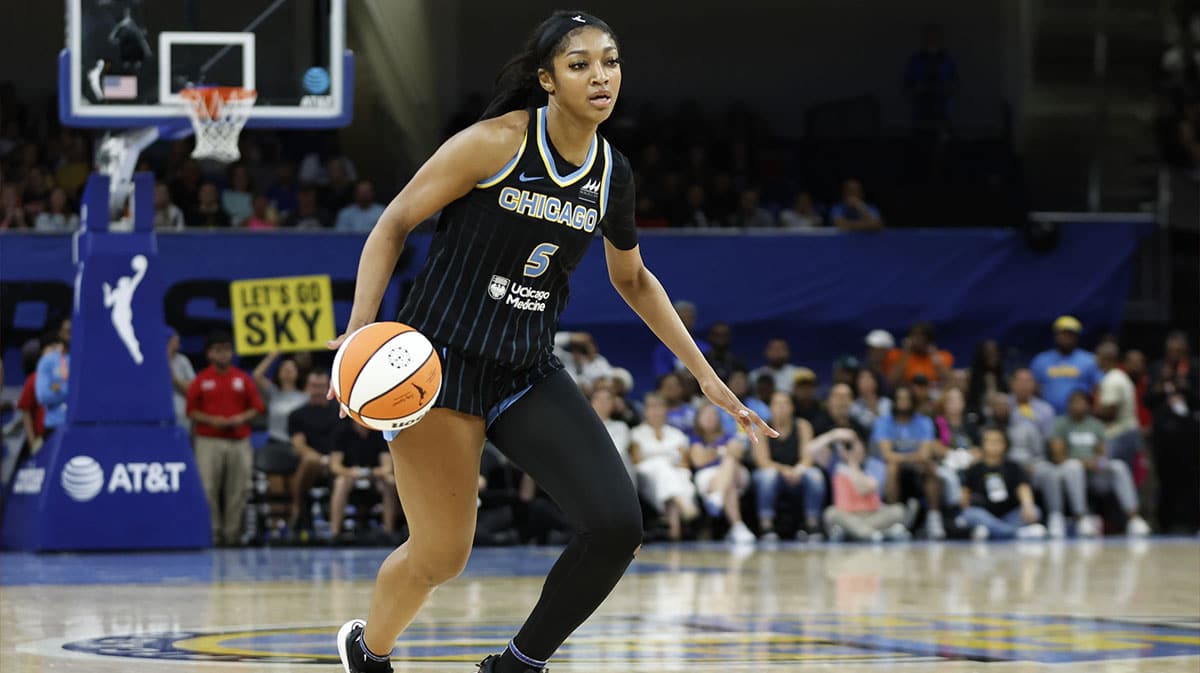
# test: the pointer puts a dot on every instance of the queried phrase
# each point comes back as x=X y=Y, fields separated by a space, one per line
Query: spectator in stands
x=680 y=413
x=603 y=404
x=73 y=171
x=33 y=412
x=739 y=384
x=659 y=454
x=1174 y=399
x=931 y=82
x=905 y=441
x=749 y=213
x=1067 y=367
x=784 y=468
x=208 y=211
x=167 y=216
x=182 y=375
x=262 y=215
x=839 y=408
x=339 y=191
x=57 y=216
x=664 y=360
x=870 y=404
x=1115 y=406
x=361 y=215
x=360 y=454
x=316 y=167
x=987 y=376
x=282 y=194
x=1078 y=438
x=36 y=196
x=857 y=512
x=1134 y=364
x=997 y=501
x=620 y=382
x=581 y=359
x=1026 y=403
x=185 y=188
x=802 y=214
x=845 y=370
x=879 y=343
x=237 y=198
x=221 y=401
x=804 y=397
x=782 y=372
x=852 y=213
x=720 y=477
x=1027 y=448
x=720 y=354
x=308 y=214
x=52 y=380
x=919 y=355
x=922 y=394
x=12 y=213
x=957 y=444
x=312 y=428
x=693 y=213
x=282 y=395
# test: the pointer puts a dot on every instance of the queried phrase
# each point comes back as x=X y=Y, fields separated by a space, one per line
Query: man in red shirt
x=221 y=400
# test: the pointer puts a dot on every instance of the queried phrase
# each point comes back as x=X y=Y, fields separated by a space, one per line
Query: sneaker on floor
x=1137 y=527
x=837 y=533
x=353 y=658
x=980 y=532
x=1058 y=526
x=488 y=665
x=1034 y=531
x=770 y=536
x=740 y=534
x=876 y=536
x=898 y=533
x=933 y=526
x=1087 y=526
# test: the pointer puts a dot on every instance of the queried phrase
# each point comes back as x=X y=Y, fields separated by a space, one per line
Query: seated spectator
x=167 y=216
x=360 y=454
x=680 y=412
x=73 y=170
x=1066 y=368
x=339 y=190
x=905 y=440
x=852 y=213
x=182 y=375
x=1174 y=398
x=869 y=405
x=997 y=501
x=361 y=215
x=987 y=376
x=784 y=469
x=56 y=216
x=1134 y=364
x=36 y=196
x=838 y=414
x=664 y=360
x=282 y=395
x=186 y=183
x=922 y=394
x=749 y=213
x=918 y=356
x=845 y=370
x=1115 y=406
x=857 y=512
x=208 y=211
x=739 y=385
x=764 y=388
x=282 y=193
x=603 y=404
x=802 y=214
x=879 y=343
x=720 y=354
x=308 y=214
x=620 y=382
x=581 y=359
x=659 y=454
x=1078 y=438
x=262 y=215
x=1027 y=404
x=957 y=442
x=781 y=371
x=237 y=199
x=312 y=429
x=804 y=397
x=33 y=412
x=12 y=213
x=1026 y=447
x=720 y=477
x=693 y=213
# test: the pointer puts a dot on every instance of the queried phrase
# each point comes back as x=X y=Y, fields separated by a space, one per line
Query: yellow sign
x=281 y=314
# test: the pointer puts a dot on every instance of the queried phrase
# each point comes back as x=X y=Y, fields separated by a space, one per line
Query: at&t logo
x=83 y=478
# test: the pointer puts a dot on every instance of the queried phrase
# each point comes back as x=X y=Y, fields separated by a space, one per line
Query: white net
x=218 y=114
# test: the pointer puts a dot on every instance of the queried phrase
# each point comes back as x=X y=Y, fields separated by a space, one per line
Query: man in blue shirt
x=51 y=381
x=1067 y=367
x=361 y=215
x=853 y=213
x=905 y=441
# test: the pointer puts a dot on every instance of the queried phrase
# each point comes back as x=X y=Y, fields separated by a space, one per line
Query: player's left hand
x=720 y=394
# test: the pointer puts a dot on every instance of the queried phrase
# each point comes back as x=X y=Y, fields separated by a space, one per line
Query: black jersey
x=496 y=279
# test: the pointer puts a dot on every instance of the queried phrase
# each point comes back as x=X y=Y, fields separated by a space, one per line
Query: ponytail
x=517 y=86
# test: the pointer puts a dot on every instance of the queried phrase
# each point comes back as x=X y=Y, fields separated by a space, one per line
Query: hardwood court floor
x=947 y=608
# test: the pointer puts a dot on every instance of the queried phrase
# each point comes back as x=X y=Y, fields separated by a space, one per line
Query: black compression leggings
x=553 y=434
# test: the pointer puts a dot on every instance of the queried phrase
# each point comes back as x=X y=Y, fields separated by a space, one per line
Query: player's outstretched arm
x=646 y=296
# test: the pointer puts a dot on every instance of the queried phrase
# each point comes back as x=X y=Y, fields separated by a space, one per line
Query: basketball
x=386 y=376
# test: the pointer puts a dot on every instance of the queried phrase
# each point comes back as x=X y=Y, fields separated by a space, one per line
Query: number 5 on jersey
x=539 y=259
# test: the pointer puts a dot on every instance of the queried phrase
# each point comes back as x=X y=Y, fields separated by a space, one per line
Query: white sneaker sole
x=341 y=641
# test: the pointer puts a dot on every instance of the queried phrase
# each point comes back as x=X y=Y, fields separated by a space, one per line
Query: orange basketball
x=386 y=375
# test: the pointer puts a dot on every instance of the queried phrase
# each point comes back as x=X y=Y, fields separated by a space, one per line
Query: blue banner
x=822 y=291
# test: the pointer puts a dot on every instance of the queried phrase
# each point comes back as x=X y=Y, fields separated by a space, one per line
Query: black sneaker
x=488 y=665
x=353 y=658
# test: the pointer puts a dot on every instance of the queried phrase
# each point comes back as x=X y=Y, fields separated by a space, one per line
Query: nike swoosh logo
x=525 y=178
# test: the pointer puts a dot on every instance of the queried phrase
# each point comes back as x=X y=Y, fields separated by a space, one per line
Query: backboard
x=126 y=60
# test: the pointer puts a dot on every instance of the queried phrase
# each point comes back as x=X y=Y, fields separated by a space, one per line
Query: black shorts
x=482 y=387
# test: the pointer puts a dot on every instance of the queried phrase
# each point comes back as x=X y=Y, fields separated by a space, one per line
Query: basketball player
x=521 y=193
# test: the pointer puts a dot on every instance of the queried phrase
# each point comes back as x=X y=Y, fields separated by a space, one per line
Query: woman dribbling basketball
x=521 y=193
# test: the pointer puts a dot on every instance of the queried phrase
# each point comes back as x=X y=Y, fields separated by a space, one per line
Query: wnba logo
x=82 y=478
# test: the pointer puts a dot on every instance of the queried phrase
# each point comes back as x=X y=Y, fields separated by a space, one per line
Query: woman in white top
x=603 y=402
x=659 y=454
x=282 y=396
x=870 y=404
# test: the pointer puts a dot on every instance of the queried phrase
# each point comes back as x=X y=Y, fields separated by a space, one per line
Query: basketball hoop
x=218 y=114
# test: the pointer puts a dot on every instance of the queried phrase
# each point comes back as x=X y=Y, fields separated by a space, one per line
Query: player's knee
x=434 y=566
x=619 y=531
